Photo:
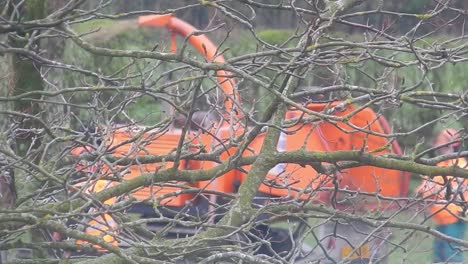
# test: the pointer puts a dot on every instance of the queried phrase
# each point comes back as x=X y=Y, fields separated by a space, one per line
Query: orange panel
x=152 y=144
x=372 y=179
x=226 y=182
x=149 y=144
x=292 y=177
x=288 y=178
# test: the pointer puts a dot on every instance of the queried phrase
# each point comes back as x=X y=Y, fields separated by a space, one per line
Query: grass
x=410 y=247
x=102 y=30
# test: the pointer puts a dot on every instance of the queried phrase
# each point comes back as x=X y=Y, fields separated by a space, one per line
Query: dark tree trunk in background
x=26 y=77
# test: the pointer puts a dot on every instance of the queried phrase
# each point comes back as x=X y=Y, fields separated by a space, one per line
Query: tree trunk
x=25 y=77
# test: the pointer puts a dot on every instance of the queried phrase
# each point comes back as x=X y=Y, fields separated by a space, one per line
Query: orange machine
x=151 y=143
x=284 y=179
x=165 y=142
x=125 y=142
x=287 y=180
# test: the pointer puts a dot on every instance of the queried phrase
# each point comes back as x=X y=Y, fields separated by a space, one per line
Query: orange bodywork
x=372 y=179
x=102 y=225
x=122 y=144
x=290 y=179
x=226 y=182
x=285 y=180
x=151 y=144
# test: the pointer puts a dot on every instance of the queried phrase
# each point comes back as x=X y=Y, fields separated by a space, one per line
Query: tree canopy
x=126 y=136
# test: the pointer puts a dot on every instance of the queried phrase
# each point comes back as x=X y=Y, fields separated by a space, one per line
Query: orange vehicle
x=324 y=137
x=284 y=180
x=165 y=142
x=291 y=179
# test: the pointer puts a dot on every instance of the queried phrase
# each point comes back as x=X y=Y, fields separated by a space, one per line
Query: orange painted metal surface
x=122 y=144
x=102 y=225
x=151 y=144
x=367 y=178
x=226 y=182
x=288 y=180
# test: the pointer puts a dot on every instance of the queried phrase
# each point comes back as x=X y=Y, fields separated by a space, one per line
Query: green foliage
x=35 y=9
x=122 y=35
x=240 y=45
x=275 y=36
x=414 y=6
x=27 y=77
x=115 y=34
x=406 y=117
x=145 y=111
x=91 y=25
x=125 y=35
x=245 y=43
